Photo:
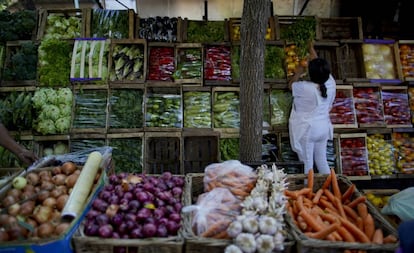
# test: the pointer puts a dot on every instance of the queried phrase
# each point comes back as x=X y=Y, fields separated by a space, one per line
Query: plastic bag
x=213 y=211
x=233 y=175
x=401 y=204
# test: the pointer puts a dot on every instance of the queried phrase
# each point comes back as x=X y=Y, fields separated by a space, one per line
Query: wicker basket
x=197 y=244
x=306 y=244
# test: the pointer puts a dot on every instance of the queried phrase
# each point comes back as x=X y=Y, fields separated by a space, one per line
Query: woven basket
x=306 y=244
x=197 y=244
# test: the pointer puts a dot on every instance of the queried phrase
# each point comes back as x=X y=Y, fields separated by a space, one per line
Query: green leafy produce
x=127 y=154
x=110 y=24
x=229 y=149
x=235 y=62
x=17 y=25
x=90 y=60
x=9 y=160
x=16 y=110
x=22 y=62
x=62 y=26
x=300 y=32
x=53 y=110
x=82 y=144
x=189 y=64
x=197 y=109
x=126 y=109
x=274 y=62
x=127 y=62
x=281 y=103
x=205 y=31
x=54 y=62
x=226 y=109
x=163 y=110
x=90 y=109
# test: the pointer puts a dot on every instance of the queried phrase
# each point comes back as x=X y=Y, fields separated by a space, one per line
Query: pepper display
x=161 y=63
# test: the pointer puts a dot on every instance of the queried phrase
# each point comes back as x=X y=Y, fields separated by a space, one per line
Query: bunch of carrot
x=329 y=214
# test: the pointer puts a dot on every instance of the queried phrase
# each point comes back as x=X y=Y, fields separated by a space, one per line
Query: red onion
x=162 y=230
x=113 y=179
x=92 y=213
x=149 y=230
x=175 y=217
x=99 y=205
x=143 y=214
x=122 y=228
x=142 y=196
x=91 y=229
x=131 y=217
x=113 y=199
x=166 y=175
x=117 y=219
x=178 y=181
x=105 y=231
x=172 y=227
x=158 y=213
x=134 y=205
x=102 y=219
x=137 y=232
x=177 y=192
x=130 y=224
x=105 y=195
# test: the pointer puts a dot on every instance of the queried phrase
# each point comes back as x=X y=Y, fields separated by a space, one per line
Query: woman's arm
x=9 y=143
x=297 y=74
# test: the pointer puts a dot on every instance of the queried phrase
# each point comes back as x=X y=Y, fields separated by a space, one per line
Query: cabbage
x=39 y=98
x=62 y=124
x=65 y=110
x=60 y=148
x=52 y=97
x=46 y=126
x=50 y=112
x=65 y=96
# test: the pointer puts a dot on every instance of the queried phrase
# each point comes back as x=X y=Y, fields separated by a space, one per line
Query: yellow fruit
x=370 y=196
x=377 y=201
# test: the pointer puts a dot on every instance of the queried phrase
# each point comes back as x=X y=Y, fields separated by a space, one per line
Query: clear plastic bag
x=401 y=204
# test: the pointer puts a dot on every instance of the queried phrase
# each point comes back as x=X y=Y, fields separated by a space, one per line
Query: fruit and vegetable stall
x=158 y=99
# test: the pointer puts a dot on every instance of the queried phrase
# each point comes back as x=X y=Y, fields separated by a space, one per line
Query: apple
x=19 y=182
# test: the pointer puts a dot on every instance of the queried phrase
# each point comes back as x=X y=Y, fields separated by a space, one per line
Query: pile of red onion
x=137 y=206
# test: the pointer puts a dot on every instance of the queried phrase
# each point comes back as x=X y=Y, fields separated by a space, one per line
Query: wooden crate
x=66 y=19
x=19 y=115
x=162 y=152
x=47 y=147
x=396 y=106
x=343 y=113
x=197 y=107
x=226 y=113
x=159 y=29
x=284 y=21
x=161 y=62
x=402 y=142
x=234 y=29
x=207 y=31
x=404 y=51
x=128 y=61
x=27 y=50
x=128 y=151
x=380 y=61
x=368 y=105
x=125 y=109
x=200 y=148
x=329 y=51
x=189 y=63
x=82 y=141
x=110 y=33
x=163 y=109
x=217 y=65
x=381 y=159
x=307 y=244
x=351 y=62
x=339 y=28
x=354 y=155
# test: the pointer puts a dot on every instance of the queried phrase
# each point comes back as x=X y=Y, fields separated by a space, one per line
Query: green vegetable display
x=16 y=110
x=62 y=27
x=226 y=109
x=54 y=62
x=127 y=62
x=205 y=31
x=163 y=110
x=110 y=24
x=21 y=63
x=18 y=25
x=82 y=144
x=229 y=148
x=90 y=109
x=281 y=103
x=53 y=109
x=300 y=33
x=197 y=109
x=189 y=64
x=127 y=154
x=126 y=109
x=9 y=160
x=90 y=60
x=235 y=62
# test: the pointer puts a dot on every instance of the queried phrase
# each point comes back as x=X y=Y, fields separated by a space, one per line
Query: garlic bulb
x=250 y=224
x=268 y=225
x=235 y=228
x=232 y=249
x=246 y=242
x=265 y=244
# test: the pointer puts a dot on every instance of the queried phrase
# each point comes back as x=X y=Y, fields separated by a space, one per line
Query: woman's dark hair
x=319 y=72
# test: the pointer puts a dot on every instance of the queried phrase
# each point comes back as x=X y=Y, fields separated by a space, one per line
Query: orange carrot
x=327 y=182
x=317 y=196
x=390 y=239
x=369 y=226
x=216 y=228
x=360 y=223
x=340 y=207
x=348 y=193
x=362 y=210
x=301 y=223
x=327 y=204
x=329 y=217
x=350 y=212
x=322 y=234
x=354 y=230
x=310 y=220
x=296 y=193
x=346 y=235
x=356 y=201
x=310 y=180
x=378 y=237
x=330 y=195
x=307 y=202
x=335 y=185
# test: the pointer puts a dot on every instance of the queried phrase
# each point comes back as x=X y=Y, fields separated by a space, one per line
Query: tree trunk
x=252 y=38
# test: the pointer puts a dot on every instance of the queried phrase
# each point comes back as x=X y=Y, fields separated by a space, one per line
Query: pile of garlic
x=261 y=225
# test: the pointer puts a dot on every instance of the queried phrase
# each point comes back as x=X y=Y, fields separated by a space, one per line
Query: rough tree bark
x=252 y=39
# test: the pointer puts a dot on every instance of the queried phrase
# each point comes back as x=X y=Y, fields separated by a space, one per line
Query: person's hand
x=27 y=157
x=312 y=52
